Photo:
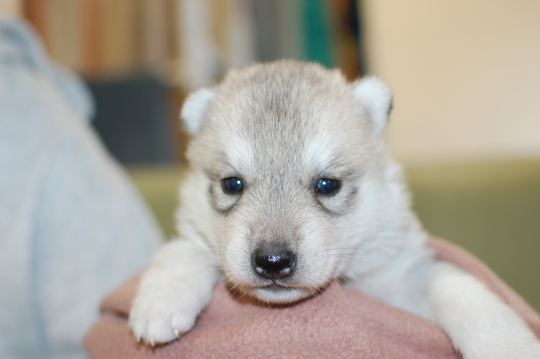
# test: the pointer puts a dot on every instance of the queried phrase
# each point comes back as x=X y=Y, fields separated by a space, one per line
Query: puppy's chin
x=280 y=295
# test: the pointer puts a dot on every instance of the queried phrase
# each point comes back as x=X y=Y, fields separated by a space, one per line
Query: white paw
x=165 y=307
x=162 y=316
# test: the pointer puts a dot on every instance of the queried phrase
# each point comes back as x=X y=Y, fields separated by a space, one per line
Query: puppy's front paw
x=163 y=315
x=167 y=307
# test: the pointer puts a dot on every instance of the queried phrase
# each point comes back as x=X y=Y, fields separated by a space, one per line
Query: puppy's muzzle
x=273 y=261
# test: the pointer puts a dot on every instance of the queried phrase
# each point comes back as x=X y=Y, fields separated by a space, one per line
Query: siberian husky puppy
x=290 y=187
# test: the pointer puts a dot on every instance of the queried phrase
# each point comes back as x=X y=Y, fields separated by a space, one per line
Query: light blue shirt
x=72 y=226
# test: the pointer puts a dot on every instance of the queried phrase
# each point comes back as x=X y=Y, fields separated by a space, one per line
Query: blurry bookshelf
x=180 y=45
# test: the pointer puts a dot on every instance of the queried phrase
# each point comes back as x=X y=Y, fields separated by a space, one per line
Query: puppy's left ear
x=195 y=109
x=374 y=95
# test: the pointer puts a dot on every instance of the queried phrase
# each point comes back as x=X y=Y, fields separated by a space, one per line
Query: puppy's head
x=291 y=185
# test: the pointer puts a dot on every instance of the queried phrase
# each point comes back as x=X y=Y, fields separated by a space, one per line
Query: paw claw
x=152 y=343
x=176 y=333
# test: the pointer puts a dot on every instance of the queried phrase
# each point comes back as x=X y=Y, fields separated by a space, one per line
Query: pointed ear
x=195 y=109
x=374 y=95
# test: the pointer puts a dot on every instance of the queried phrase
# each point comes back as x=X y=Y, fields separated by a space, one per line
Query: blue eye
x=232 y=185
x=327 y=186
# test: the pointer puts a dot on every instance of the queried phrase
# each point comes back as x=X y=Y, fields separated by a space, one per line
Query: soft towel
x=341 y=322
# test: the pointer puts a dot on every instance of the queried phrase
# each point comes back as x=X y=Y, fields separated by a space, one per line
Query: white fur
x=375 y=96
x=280 y=127
x=176 y=290
x=479 y=323
x=195 y=109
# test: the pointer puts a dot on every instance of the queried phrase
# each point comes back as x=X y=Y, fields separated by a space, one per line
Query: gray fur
x=280 y=127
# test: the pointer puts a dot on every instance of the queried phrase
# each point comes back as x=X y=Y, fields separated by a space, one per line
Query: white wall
x=465 y=75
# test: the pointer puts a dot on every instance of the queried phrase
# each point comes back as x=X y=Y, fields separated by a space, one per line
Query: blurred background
x=465 y=75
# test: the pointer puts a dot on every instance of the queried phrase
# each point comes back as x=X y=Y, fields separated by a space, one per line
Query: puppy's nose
x=273 y=261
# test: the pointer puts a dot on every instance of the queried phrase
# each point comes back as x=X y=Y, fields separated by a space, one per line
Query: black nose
x=273 y=261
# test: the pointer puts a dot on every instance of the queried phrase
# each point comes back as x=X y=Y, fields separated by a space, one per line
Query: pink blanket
x=341 y=322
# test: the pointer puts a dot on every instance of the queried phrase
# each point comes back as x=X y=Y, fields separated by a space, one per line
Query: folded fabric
x=341 y=322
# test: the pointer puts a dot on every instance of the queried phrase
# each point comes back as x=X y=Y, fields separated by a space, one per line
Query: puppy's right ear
x=195 y=109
